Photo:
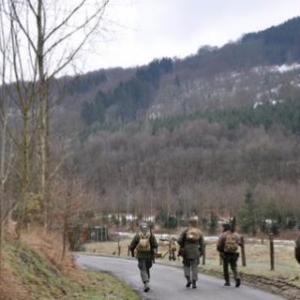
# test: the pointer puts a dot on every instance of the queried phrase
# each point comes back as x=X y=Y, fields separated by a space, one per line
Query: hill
x=34 y=269
x=212 y=78
x=195 y=135
x=215 y=134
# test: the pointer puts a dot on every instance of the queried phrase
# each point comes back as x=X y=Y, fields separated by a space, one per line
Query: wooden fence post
x=119 y=247
x=243 y=252
x=203 y=254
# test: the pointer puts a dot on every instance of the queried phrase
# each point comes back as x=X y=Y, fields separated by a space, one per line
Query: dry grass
x=50 y=244
x=11 y=287
x=35 y=250
x=34 y=269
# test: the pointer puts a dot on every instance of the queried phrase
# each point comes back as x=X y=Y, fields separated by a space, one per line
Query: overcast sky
x=138 y=31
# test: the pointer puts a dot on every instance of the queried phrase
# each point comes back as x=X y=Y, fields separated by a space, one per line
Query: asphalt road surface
x=168 y=283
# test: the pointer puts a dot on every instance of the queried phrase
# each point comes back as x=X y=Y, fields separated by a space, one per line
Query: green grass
x=110 y=287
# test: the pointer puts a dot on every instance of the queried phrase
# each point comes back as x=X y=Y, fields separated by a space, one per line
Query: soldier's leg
x=187 y=272
x=194 y=271
x=143 y=270
x=234 y=268
x=225 y=270
x=148 y=267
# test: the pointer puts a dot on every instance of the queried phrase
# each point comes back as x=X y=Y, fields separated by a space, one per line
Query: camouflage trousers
x=230 y=259
x=190 y=268
x=144 y=265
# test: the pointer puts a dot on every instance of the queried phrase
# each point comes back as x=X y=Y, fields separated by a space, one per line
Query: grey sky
x=140 y=30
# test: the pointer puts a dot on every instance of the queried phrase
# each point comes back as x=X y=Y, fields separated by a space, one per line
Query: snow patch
x=281 y=69
x=287 y=68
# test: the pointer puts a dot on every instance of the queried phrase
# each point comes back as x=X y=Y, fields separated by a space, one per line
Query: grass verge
x=33 y=269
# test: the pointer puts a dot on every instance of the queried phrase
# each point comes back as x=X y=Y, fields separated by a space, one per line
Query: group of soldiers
x=191 y=247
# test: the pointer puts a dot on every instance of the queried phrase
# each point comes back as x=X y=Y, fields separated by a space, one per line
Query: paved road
x=167 y=282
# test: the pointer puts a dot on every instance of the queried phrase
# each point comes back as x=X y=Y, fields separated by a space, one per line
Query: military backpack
x=231 y=244
x=193 y=234
x=144 y=243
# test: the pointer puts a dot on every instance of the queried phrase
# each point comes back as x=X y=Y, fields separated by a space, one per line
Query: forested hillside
x=239 y=73
x=215 y=134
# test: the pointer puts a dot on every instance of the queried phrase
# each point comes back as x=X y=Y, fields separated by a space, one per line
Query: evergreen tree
x=212 y=223
x=248 y=214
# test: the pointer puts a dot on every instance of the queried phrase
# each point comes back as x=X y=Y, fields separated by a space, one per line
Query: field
x=284 y=279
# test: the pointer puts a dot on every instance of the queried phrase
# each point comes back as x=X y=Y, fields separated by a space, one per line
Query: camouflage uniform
x=229 y=258
x=172 y=250
x=191 y=252
x=145 y=259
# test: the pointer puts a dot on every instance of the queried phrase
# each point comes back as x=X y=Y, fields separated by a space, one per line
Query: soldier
x=297 y=247
x=172 y=249
x=144 y=247
x=227 y=246
x=191 y=242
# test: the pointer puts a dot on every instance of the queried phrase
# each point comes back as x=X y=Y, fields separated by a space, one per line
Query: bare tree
x=46 y=36
x=5 y=142
x=69 y=201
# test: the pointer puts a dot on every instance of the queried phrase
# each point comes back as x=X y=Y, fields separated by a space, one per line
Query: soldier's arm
x=153 y=241
x=220 y=243
x=201 y=244
x=134 y=243
x=181 y=238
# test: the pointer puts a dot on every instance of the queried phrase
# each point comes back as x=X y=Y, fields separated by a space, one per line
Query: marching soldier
x=144 y=248
x=191 y=244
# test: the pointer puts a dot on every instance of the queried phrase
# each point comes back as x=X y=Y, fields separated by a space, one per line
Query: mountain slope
x=236 y=74
x=194 y=135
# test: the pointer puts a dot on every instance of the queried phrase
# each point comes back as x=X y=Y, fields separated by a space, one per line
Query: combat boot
x=188 y=284
x=194 y=286
x=146 y=287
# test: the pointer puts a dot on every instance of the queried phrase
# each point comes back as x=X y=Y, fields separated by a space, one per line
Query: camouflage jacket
x=188 y=249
